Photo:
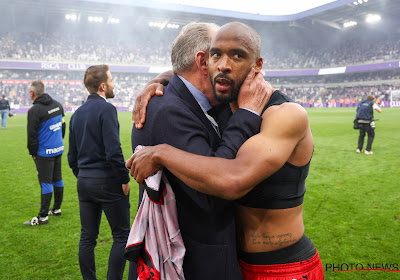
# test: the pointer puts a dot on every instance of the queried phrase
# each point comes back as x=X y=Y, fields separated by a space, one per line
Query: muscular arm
x=283 y=127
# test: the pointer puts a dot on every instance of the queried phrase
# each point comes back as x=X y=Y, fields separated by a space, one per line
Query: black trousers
x=97 y=195
x=50 y=177
x=366 y=128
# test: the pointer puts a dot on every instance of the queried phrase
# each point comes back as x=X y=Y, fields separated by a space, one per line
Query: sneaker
x=37 y=221
x=368 y=152
x=55 y=212
x=358 y=150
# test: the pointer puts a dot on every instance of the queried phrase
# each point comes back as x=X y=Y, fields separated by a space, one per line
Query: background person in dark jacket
x=5 y=110
x=95 y=157
x=46 y=129
x=365 y=117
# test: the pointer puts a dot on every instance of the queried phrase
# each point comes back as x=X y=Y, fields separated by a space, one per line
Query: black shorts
x=49 y=172
x=302 y=250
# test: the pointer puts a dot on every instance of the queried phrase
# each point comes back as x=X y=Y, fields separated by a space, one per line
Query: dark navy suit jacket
x=94 y=146
x=206 y=222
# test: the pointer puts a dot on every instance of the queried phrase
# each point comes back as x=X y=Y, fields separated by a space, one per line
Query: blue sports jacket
x=46 y=127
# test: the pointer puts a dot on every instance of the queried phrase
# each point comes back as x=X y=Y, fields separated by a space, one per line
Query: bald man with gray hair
x=193 y=37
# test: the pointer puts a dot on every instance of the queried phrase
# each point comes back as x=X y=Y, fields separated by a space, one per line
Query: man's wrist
x=250 y=110
x=160 y=154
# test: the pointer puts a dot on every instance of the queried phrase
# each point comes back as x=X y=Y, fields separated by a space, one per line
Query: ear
x=202 y=62
x=259 y=64
x=102 y=87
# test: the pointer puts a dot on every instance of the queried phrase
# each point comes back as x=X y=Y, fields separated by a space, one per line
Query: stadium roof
x=267 y=10
x=332 y=14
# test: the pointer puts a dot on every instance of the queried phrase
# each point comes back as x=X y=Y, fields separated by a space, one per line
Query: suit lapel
x=183 y=92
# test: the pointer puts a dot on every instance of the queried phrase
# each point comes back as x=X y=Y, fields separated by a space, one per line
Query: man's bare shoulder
x=285 y=109
x=287 y=116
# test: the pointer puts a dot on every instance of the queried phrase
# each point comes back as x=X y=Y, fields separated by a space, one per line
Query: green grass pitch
x=351 y=209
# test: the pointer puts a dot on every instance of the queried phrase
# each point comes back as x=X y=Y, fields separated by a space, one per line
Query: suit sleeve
x=33 y=126
x=194 y=137
x=112 y=144
x=242 y=125
x=185 y=131
x=72 y=152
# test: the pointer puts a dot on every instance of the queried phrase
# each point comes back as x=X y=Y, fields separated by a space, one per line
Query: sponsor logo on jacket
x=55 y=127
x=54 y=151
x=53 y=110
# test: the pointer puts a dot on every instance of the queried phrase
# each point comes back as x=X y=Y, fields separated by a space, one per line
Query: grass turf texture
x=351 y=209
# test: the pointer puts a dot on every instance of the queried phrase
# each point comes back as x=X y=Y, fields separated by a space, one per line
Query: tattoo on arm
x=272 y=240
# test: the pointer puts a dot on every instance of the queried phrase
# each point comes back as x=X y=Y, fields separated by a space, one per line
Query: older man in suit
x=184 y=118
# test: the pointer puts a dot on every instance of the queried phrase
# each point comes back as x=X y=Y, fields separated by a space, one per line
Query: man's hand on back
x=153 y=87
x=139 y=111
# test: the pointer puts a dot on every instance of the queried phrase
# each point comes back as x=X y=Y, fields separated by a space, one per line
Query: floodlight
x=355 y=3
x=72 y=17
x=371 y=18
x=349 y=24
x=113 y=20
x=360 y=1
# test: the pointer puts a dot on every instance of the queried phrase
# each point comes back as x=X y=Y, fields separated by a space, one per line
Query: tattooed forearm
x=273 y=240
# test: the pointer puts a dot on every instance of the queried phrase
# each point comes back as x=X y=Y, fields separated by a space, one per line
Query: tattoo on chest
x=272 y=240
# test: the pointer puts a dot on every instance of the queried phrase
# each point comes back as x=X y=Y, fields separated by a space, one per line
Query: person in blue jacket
x=46 y=130
x=365 y=118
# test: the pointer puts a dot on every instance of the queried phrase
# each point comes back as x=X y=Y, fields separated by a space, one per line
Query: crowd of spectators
x=67 y=86
x=343 y=53
x=325 y=95
x=375 y=77
x=70 y=47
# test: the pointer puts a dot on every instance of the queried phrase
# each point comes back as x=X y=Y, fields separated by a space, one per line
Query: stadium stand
x=300 y=58
x=54 y=47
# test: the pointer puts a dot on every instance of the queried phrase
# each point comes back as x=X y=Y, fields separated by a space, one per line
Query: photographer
x=366 y=124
